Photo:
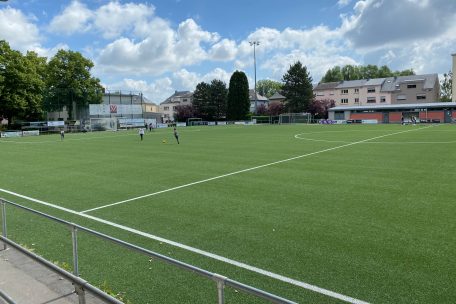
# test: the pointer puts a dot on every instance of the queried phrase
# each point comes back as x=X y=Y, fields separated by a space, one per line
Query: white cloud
x=74 y=18
x=225 y=50
x=19 y=30
x=114 y=18
x=163 y=50
x=343 y=3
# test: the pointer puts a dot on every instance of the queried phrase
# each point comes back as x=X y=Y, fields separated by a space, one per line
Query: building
x=454 y=82
x=168 y=107
x=277 y=97
x=436 y=112
x=381 y=91
x=259 y=100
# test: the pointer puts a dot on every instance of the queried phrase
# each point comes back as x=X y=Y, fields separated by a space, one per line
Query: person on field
x=176 y=135
x=141 y=133
x=62 y=135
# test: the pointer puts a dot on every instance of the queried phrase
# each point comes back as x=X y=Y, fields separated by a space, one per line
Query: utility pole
x=254 y=43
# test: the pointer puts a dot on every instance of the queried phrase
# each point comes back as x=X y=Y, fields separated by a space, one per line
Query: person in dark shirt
x=176 y=135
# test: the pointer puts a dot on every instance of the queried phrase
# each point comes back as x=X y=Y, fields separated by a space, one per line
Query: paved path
x=27 y=282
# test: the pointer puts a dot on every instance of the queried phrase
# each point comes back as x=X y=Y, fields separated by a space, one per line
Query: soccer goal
x=293 y=118
x=262 y=119
x=194 y=121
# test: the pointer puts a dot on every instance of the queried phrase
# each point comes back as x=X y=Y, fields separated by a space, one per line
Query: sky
x=158 y=47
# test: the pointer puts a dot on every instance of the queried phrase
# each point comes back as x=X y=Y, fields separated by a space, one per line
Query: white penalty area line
x=269 y=274
x=248 y=169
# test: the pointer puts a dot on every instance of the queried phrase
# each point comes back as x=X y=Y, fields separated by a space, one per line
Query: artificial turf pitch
x=367 y=211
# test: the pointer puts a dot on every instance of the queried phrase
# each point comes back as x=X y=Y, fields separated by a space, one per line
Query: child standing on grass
x=176 y=135
x=141 y=133
x=62 y=135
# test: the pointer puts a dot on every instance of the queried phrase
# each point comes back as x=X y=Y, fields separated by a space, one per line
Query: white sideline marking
x=246 y=170
x=279 y=277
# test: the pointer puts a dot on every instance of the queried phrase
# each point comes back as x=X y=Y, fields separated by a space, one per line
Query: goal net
x=293 y=118
x=262 y=119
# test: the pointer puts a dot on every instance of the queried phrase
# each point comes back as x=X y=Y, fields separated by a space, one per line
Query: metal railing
x=221 y=281
x=6 y=298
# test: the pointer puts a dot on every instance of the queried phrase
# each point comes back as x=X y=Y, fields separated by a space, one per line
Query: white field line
x=247 y=170
x=279 y=277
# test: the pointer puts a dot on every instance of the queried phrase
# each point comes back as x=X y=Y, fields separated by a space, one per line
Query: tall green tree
x=202 y=99
x=238 y=97
x=297 y=88
x=354 y=72
x=22 y=84
x=219 y=95
x=446 y=87
x=69 y=82
x=268 y=87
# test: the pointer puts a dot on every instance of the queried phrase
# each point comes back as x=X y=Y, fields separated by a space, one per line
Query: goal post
x=294 y=118
x=262 y=119
x=194 y=121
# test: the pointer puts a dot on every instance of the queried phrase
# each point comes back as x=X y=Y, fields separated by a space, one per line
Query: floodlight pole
x=254 y=43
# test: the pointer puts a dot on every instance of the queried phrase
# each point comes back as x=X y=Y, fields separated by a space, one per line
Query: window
x=345 y=91
x=371 y=100
x=166 y=108
x=411 y=86
x=356 y=100
x=421 y=96
x=320 y=94
x=344 y=100
x=174 y=107
x=401 y=97
x=382 y=99
x=370 y=90
x=185 y=99
x=356 y=91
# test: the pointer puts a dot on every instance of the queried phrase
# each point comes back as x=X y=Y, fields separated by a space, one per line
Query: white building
x=168 y=107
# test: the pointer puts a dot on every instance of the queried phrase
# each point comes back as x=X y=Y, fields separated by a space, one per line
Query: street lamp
x=254 y=43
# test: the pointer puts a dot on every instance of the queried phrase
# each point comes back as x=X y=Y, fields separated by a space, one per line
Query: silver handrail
x=5 y=297
x=220 y=280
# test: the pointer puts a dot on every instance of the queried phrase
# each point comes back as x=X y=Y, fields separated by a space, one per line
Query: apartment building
x=381 y=91
x=168 y=107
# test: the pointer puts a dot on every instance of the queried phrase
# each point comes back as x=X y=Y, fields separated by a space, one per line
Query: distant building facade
x=258 y=100
x=168 y=107
x=381 y=91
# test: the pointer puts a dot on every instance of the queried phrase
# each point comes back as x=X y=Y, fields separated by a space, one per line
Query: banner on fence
x=114 y=109
x=31 y=133
x=58 y=123
x=131 y=122
x=11 y=134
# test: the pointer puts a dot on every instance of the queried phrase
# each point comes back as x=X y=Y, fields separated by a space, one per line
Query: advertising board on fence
x=131 y=122
x=58 y=123
x=181 y=124
x=31 y=133
x=114 y=109
x=11 y=134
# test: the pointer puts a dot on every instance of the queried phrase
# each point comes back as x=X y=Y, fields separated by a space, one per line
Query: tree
x=297 y=88
x=238 y=97
x=353 y=72
x=219 y=94
x=319 y=108
x=69 y=82
x=201 y=100
x=21 y=85
x=276 y=108
x=268 y=87
x=183 y=112
x=262 y=110
x=446 y=86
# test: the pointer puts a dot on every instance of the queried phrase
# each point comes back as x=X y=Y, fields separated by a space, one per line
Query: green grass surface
x=368 y=213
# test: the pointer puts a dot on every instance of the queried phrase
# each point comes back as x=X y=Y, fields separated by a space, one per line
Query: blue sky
x=161 y=46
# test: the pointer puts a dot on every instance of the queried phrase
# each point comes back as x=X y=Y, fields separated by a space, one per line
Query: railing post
x=3 y=222
x=220 y=280
x=79 y=290
x=74 y=235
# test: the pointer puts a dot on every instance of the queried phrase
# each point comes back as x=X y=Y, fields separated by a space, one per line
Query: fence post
x=79 y=290
x=74 y=234
x=3 y=222
x=220 y=287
